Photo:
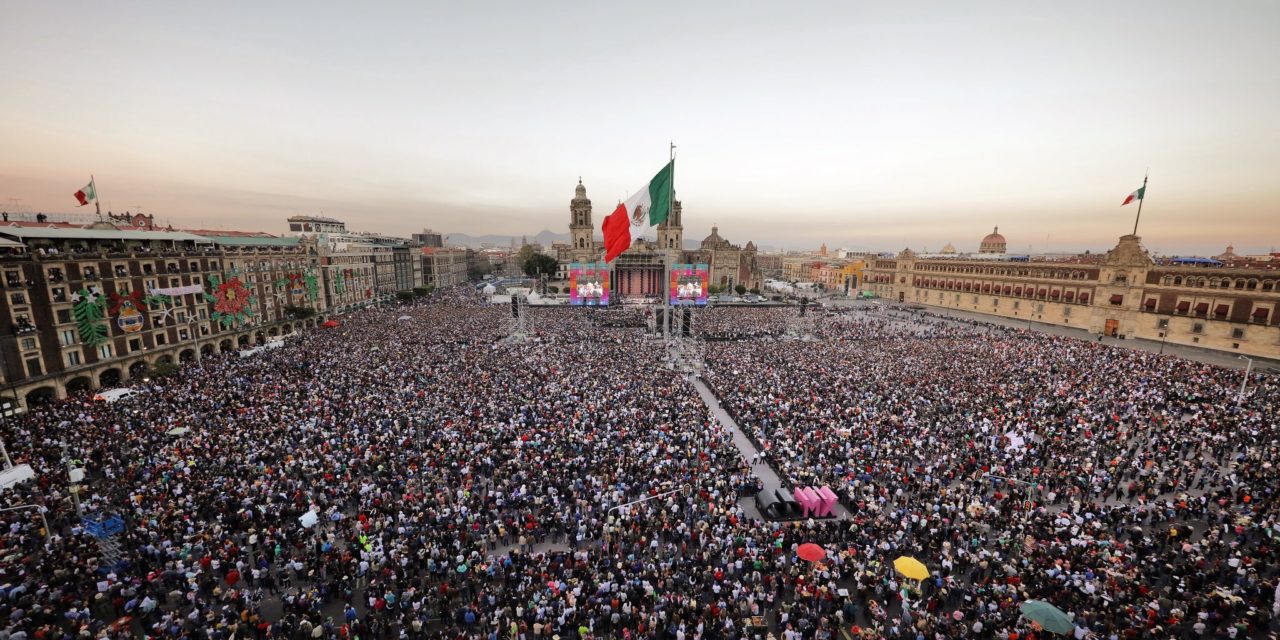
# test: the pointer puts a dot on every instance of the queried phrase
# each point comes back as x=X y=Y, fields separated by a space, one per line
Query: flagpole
x=1140 y=201
x=666 y=262
x=96 y=200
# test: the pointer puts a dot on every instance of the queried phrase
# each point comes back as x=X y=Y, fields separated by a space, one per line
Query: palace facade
x=1124 y=293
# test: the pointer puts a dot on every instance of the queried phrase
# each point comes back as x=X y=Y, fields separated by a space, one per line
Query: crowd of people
x=417 y=473
x=1133 y=489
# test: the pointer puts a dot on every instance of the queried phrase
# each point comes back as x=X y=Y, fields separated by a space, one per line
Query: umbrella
x=911 y=568
x=811 y=552
x=329 y=324
x=1047 y=616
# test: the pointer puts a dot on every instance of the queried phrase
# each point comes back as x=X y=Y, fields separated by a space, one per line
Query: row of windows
x=1016 y=272
x=1245 y=284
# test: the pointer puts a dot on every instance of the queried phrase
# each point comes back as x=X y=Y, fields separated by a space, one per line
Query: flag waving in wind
x=649 y=207
x=1136 y=195
x=87 y=194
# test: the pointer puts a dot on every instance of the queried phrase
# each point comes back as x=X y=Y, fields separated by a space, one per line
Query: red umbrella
x=329 y=324
x=811 y=552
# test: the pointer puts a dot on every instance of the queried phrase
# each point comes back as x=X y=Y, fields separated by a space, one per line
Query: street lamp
x=1247 y=370
x=194 y=324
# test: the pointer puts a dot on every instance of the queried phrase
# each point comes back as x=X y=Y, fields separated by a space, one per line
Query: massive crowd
x=1133 y=489
x=462 y=485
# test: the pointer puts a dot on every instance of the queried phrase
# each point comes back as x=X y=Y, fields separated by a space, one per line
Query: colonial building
x=1125 y=293
x=93 y=306
x=443 y=267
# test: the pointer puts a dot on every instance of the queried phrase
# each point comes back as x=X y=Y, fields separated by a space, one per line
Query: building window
x=1066 y=312
x=1197 y=327
x=73 y=358
x=59 y=294
x=1163 y=323
x=1016 y=303
x=28 y=344
x=161 y=338
x=104 y=351
x=183 y=335
x=33 y=367
x=135 y=345
x=1237 y=333
x=18 y=298
x=67 y=337
x=1120 y=279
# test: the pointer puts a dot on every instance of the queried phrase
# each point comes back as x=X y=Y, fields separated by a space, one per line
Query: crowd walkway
x=764 y=471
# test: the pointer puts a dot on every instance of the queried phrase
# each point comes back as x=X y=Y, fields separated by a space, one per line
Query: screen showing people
x=689 y=284
x=588 y=284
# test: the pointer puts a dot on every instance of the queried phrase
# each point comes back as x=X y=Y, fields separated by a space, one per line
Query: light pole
x=1247 y=370
x=194 y=324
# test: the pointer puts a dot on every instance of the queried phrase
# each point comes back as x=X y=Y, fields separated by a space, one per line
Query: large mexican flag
x=649 y=207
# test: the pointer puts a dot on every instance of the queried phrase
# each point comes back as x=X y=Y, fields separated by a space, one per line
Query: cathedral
x=640 y=271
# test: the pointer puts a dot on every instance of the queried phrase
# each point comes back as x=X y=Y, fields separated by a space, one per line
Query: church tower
x=581 y=231
x=671 y=232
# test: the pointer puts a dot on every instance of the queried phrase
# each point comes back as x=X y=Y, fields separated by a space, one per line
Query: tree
x=162 y=370
x=297 y=312
x=404 y=296
x=539 y=264
x=755 y=290
x=741 y=289
x=423 y=292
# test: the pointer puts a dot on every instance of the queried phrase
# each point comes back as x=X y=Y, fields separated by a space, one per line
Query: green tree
x=404 y=296
x=298 y=313
x=538 y=264
x=741 y=289
x=423 y=292
x=162 y=369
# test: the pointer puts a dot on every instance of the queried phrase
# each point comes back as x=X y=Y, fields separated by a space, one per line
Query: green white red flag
x=1136 y=195
x=87 y=194
x=649 y=207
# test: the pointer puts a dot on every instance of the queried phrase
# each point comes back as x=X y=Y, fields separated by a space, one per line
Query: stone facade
x=1126 y=293
x=48 y=271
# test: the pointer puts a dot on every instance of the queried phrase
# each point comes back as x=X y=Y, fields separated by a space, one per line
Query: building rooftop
x=78 y=233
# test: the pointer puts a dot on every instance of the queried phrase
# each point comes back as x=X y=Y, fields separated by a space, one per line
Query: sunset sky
x=866 y=125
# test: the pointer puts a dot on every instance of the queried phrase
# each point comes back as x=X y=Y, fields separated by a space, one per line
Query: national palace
x=1216 y=304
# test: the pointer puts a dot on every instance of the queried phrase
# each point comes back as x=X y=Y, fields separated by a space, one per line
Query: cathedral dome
x=993 y=243
x=580 y=192
x=714 y=238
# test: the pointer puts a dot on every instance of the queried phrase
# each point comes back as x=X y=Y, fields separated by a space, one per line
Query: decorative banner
x=178 y=291
x=232 y=301
x=89 y=310
x=125 y=308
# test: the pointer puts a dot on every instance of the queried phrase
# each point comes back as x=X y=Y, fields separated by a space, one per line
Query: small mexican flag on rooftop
x=1136 y=195
x=86 y=194
x=649 y=207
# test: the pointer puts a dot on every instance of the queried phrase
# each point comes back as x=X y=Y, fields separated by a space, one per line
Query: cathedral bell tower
x=581 y=231
x=671 y=232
